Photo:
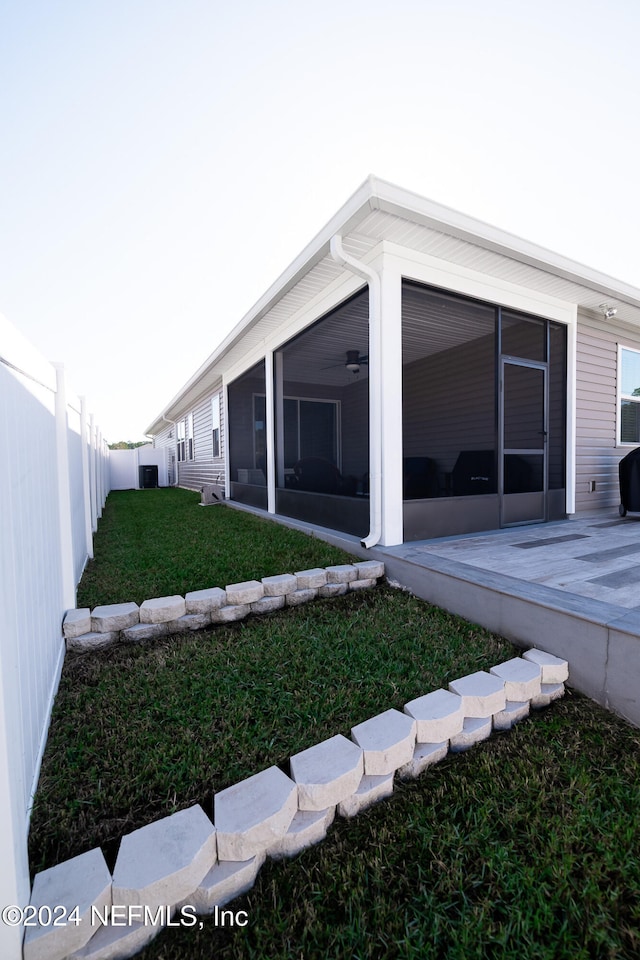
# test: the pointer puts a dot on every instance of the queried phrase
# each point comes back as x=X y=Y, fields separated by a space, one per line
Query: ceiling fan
x=354 y=360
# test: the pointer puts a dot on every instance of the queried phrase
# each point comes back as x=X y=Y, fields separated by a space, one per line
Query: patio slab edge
x=600 y=641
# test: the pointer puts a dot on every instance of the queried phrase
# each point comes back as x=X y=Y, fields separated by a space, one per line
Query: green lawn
x=526 y=846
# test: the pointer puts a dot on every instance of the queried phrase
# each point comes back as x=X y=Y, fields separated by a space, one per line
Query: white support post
x=391 y=386
x=93 y=477
x=225 y=439
x=270 y=432
x=68 y=587
x=279 y=415
x=86 y=478
x=100 y=453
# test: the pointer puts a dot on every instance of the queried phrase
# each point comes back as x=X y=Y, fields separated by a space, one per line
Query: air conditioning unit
x=211 y=493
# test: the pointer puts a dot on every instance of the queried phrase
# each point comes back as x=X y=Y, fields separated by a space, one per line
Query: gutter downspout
x=375 y=387
x=175 y=437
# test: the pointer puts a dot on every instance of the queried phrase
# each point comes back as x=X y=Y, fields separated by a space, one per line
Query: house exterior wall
x=597 y=450
x=401 y=236
x=203 y=467
x=165 y=440
x=45 y=488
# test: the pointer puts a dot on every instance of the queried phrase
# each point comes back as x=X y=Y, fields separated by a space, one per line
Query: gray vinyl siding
x=204 y=468
x=597 y=451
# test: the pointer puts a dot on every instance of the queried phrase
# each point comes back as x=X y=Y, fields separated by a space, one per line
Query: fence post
x=64 y=492
x=86 y=478
x=92 y=468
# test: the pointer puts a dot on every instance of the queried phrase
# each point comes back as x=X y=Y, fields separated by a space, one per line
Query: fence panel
x=42 y=507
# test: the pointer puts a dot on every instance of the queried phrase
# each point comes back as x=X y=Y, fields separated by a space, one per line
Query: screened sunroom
x=482 y=418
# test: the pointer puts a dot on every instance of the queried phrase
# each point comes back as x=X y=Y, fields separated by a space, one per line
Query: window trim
x=216 y=435
x=180 y=440
x=623 y=396
x=338 y=414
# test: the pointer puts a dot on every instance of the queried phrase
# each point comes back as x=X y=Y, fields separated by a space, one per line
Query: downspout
x=175 y=439
x=375 y=387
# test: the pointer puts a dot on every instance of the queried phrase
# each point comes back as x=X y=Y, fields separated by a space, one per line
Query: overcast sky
x=163 y=161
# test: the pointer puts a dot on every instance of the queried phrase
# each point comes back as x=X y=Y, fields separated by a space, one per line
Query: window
x=190 y=436
x=629 y=419
x=215 y=418
x=180 y=435
x=310 y=430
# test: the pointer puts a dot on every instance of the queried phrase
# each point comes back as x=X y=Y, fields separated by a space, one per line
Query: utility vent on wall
x=211 y=493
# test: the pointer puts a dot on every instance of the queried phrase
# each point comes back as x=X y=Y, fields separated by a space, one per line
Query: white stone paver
x=92 y=641
x=327 y=773
x=268 y=604
x=522 y=678
x=474 y=730
x=333 y=590
x=513 y=712
x=85 y=882
x=341 y=573
x=279 y=586
x=76 y=622
x=247 y=592
x=482 y=694
x=161 y=609
x=439 y=716
x=424 y=755
x=120 y=939
x=362 y=584
x=225 y=881
x=114 y=616
x=304 y=595
x=144 y=631
x=370 y=790
x=308 y=827
x=548 y=693
x=554 y=670
x=387 y=740
x=311 y=579
x=204 y=601
x=230 y=613
x=253 y=815
x=370 y=569
x=190 y=621
x=163 y=862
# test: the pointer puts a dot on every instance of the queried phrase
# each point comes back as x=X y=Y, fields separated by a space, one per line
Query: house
x=417 y=373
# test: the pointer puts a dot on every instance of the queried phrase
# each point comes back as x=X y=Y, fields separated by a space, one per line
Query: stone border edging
x=188 y=865
x=85 y=629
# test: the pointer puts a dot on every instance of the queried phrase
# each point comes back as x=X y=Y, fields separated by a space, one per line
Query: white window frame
x=622 y=349
x=216 y=436
x=180 y=440
x=190 y=445
x=338 y=413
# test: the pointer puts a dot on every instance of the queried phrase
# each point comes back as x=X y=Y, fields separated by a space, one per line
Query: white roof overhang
x=380 y=211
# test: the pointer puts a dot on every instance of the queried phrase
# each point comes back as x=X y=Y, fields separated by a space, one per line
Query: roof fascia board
x=351 y=213
x=398 y=202
x=377 y=194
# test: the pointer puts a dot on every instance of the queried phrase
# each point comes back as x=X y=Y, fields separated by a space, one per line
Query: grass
x=156 y=543
x=527 y=846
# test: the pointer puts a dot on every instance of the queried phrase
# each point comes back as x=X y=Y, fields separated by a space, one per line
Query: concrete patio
x=571 y=588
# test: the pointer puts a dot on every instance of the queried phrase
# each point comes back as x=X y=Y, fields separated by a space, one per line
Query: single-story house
x=417 y=373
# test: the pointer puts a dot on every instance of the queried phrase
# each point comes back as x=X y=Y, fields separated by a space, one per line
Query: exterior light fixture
x=608 y=312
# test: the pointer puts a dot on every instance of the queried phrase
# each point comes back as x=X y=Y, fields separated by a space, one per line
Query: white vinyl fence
x=53 y=485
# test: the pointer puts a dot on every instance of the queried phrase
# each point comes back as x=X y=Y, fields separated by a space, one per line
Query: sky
x=163 y=161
